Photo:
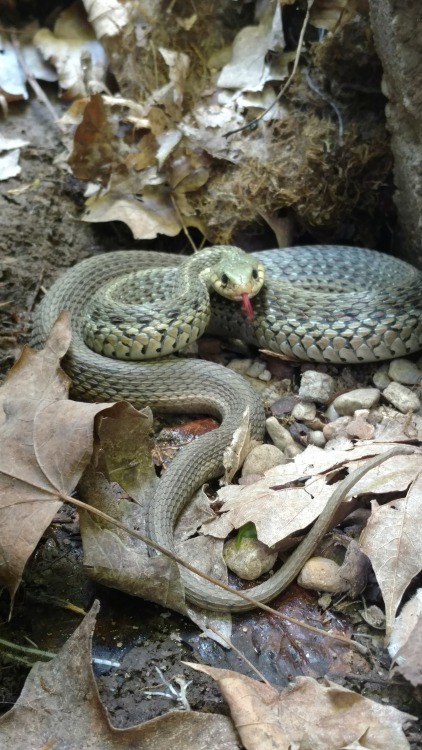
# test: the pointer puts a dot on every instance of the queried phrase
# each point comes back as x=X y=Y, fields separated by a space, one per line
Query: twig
x=329 y=101
x=182 y=223
x=39 y=93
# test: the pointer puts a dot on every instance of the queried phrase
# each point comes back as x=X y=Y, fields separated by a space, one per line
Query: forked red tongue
x=247 y=306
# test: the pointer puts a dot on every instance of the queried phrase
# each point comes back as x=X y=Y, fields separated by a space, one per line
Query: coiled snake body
x=318 y=303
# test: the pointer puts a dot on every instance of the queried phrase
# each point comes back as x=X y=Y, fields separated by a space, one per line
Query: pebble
x=284 y=405
x=304 y=411
x=316 y=437
x=331 y=414
x=361 y=398
x=282 y=438
x=317 y=386
x=240 y=365
x=381 y=379
x=322 y=574
x=404 y=371
x=256 y=369
x=261 y=458
x=359 y=427
x=402 y=398
x=337 y=428
x=250 y=559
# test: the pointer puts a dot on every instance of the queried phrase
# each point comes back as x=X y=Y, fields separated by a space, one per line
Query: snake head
x=237 y=275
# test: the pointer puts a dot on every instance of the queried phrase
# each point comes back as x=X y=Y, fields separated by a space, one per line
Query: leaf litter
x=187 y=162
x=93 y=444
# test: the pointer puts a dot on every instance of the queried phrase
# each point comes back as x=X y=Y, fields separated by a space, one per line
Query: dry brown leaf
x=93 y=154
x=71 y=47
x=332 y=15
x=291 y=496
x=60 y=707
x=146 y=215
x=111 y=555
x=47 y=441
x=393 y=543
x=406 y=640
x=108 y=17
x=249 y=68
x=307 y=715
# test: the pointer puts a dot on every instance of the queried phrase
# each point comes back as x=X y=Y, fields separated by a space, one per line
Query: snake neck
x=170 y=316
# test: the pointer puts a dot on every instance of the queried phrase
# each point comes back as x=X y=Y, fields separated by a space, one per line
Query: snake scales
x=319 y=303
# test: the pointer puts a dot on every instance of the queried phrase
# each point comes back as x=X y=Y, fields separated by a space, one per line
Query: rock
x=261 y=458
x=256 y=369
x=284 y=405
x=404 y=371
x=240 y=365
x=361 y=398
x=316 y=437
x=337 y=428
x=304 y=411
x=317 y=386
x=321 y=574
x=250 y=559
x=282 y=438
x=359 y=427
x=265 y=375
x=331 y=414
x=402 y=398
x=380 y=379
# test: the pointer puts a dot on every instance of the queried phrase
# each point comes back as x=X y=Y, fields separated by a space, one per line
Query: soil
x=41 y=236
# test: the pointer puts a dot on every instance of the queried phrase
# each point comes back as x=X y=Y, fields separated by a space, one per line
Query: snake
x=315 y=303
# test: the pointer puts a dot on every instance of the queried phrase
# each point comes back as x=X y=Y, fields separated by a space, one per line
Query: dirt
x=41 y=236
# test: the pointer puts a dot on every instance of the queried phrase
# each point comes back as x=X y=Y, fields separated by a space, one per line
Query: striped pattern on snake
x=318 y=303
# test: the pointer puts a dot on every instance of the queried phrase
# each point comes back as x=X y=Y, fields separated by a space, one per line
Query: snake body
x=318 y=303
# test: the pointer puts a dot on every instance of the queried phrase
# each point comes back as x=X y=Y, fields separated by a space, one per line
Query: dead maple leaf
x=73 y=50
x=60 y=707
x=307 y=715
x=291 y=496
x=406 y=640
x=47 y=441
x=94 y=152
x=393 y=543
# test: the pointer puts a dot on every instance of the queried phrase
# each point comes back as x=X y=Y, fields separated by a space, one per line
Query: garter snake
x=323 y=303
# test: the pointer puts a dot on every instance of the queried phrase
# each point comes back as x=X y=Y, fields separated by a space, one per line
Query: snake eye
x=224 y=279
x=254 y=274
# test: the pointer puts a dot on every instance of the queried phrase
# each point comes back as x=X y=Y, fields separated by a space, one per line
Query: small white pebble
x=360 y=398
x=316 y=437
x=304 y=410
x=317 y=386
x=381 y=379
x=256 y=369
x=240 y=365
x=404 y=371
x=402 y=398
x=331 y=414
x=266 y=375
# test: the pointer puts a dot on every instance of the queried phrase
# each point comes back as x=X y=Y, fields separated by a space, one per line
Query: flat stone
x=404 y=371
x=361 y=398
x=402 y=398
x=261 y=458
x=304 y=411
x=317 y=386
